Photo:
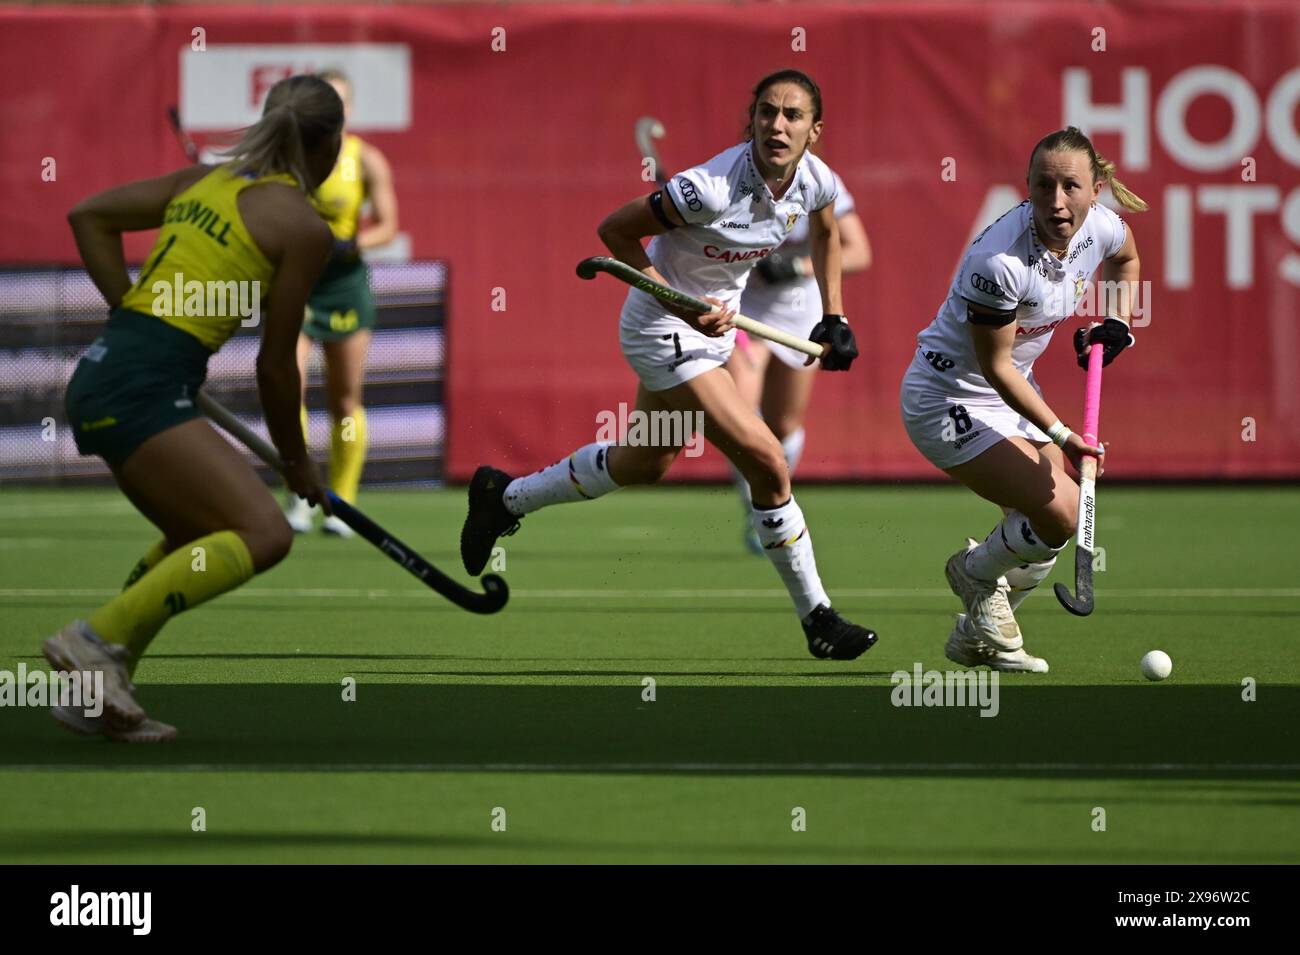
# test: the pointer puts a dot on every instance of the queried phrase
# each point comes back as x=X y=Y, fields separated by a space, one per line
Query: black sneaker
x=831 y=637
x=488 y=518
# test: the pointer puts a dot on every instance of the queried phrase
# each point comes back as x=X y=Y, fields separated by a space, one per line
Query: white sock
x=792 y=445
x=1023 y=579
x=1010 y=544
x=788 y=546
x=582 y=476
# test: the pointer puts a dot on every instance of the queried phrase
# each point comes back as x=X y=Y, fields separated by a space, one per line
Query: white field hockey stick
x=588 y=268
x=496 y=592
x=1084 y=542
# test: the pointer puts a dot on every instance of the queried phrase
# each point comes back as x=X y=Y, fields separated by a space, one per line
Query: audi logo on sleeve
x=986 y=285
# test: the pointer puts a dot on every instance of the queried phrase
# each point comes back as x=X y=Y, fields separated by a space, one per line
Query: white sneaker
x=334 y=525
x=965 y=648
x=300 y=515
x=146 y=731
x=986 y=603
x=77 y=647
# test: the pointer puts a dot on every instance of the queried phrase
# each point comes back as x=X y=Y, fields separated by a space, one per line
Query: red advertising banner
x=509 y=130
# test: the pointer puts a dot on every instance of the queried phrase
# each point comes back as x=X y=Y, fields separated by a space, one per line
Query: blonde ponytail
x=1105 y=170
x=299 y=113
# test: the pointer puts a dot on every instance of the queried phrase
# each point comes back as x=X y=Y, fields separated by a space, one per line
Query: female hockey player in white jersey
x=783 y=292
x=969 y=399
x=710 y=224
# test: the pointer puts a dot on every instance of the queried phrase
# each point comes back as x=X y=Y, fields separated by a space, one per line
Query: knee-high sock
x=582 y=476
x=792 y=445
x=1024 y=579
x=348 y=454
x=185 y=578
x=788 y=546
x=146 y=563
x=1010 y=544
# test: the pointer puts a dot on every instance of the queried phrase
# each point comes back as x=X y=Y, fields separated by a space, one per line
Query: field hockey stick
x=496 y=593
x=182 y=137
x=648 y=129
x=588 y=268
x=1081 y=603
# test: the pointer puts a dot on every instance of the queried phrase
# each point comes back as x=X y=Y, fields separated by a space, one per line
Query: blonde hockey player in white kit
x=710 y=224
x=969 y=399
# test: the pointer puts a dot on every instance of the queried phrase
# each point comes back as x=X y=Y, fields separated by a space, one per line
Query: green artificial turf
x=541 y=710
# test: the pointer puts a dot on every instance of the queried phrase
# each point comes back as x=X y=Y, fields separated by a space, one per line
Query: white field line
x=350 y=593
x=896 y=768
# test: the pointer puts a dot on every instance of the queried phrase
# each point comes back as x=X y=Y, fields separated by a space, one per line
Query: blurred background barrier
x=49 y=316
x=509 y=129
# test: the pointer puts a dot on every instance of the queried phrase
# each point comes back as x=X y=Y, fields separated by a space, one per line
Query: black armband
x=1000 y=320
x=657 y=207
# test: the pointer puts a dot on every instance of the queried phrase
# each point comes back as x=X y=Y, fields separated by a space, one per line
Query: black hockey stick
x=1081 y=603
x=496 y=592
x=182 y=137
x=588 y=269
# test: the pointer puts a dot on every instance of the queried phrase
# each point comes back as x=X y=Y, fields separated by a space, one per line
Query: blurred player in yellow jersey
x=239 y=243
x=341 y=310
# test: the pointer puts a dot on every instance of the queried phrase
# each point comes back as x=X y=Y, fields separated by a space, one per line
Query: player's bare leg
x=498 y=501
x=232 y=529
x=746 y=367
x=1040 y=501
x=297 y=511
x=733 y=428
x=786 y=393
x=731 y=425
x=345 y=363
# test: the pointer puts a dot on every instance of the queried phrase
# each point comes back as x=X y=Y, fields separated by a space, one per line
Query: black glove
x=835 y=329
x=775 y=268
x=1112 y=335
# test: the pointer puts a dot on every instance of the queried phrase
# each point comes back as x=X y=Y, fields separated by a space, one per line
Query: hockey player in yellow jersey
x=341 y=310
x=239 y=243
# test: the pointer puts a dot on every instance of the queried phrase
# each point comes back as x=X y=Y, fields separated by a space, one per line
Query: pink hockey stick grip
x=1092 y=396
